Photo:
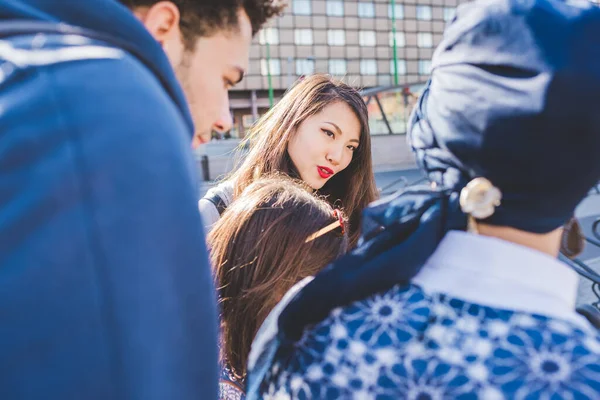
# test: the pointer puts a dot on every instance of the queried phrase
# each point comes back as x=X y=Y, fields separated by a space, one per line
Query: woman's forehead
x=340 y=114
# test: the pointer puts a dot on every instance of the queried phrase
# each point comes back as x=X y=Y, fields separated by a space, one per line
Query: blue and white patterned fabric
x=417 y=311
x=406 y=343
x=488 y=333
x=230 y=388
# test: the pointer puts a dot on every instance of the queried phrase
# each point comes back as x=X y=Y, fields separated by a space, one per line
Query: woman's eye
x=352 y=148
x=329 y=133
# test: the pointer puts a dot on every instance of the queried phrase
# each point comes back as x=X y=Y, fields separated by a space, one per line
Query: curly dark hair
x=205 y=17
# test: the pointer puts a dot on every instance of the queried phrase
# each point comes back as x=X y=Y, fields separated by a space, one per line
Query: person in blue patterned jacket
x=456 y=290
x=105 y=286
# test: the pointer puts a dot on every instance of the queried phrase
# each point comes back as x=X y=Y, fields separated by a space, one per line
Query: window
x=424 y=67
x=335 y=8
x=303 y=36
x=366 y=10
x=368 y=67
x=305 y=67
x=424 y=39
x=449 y=13
x=399 y=8
x=336 y=37
x=268 y=35
x=366 y=38
x=337 y=67
x=424 y=13
x=274 y=64
x=400 y=41
x=301 y=7
x=401 y=67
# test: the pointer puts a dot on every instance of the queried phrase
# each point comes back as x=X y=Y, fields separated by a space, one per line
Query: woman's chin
x=316 y=185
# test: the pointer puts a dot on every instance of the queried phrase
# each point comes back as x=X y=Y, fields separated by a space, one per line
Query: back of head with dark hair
x=259 y=250
x=205 y=17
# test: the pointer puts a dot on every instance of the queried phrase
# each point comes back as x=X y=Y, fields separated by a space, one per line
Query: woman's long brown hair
x=353 y=188
x=259 y=251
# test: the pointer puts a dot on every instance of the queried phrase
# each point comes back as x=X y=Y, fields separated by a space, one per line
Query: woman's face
x=324 y=143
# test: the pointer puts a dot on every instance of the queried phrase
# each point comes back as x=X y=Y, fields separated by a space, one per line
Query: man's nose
x=225 y=121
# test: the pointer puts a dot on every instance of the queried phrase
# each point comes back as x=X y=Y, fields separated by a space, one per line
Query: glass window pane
x=368 y=67
x=424 y=67
x=400 y=40
x=366 y=9
x=337 y=67
x=366 y=38
x=305 y=67
x=449 y=13
x=424 y=13
x=268 y=35
x=335 y=8
x=303 y=36
x=399 y=8
x=301 y=7
x=425 y=39
x=275 y=65
x=401 y=67
x=336 y=37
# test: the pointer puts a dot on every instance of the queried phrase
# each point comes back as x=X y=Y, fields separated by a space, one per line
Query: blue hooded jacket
x=105 y=288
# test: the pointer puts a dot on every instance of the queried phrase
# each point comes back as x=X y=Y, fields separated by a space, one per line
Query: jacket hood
x=112 y=20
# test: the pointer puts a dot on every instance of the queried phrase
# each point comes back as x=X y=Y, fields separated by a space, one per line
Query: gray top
x=208 y=211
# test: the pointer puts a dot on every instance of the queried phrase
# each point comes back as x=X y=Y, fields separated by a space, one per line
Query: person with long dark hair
x=274 y=235
x=319 y=133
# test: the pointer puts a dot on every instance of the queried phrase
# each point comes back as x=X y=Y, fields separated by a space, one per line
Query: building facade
x=348 y=39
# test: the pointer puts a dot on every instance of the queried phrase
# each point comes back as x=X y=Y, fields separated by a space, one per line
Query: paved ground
x=587 y=212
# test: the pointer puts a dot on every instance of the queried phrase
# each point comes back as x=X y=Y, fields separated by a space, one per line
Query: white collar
x=501 y=274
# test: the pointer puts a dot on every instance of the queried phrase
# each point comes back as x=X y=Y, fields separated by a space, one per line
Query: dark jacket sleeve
x=105 y=287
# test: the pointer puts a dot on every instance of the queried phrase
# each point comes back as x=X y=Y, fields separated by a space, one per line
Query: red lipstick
x=324 y=172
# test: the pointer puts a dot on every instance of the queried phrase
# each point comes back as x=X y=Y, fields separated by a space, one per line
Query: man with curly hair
x=208 y=44
x=105 y=285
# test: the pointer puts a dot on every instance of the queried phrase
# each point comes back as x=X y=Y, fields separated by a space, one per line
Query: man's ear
x=162 y=21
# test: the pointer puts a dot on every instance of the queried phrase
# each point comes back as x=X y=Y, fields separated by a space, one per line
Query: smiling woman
x=319 y=133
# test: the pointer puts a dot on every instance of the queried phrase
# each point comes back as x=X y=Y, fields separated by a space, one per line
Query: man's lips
x=198 y=139
x=325 y=172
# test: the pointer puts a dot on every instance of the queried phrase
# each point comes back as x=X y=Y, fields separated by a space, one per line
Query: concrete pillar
x=253 y=105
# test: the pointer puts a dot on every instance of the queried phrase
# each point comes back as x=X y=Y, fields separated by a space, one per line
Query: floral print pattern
x=408 y=344
x=230 y=388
